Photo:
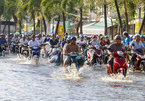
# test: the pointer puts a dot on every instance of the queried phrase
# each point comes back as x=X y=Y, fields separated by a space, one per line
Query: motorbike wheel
x=124 y=72
x=142 y=65
x=3 y=53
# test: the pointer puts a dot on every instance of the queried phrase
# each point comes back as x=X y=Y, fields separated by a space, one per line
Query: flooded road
x=22 y=81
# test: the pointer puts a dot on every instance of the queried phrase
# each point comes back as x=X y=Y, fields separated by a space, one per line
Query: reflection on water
x=22 y=81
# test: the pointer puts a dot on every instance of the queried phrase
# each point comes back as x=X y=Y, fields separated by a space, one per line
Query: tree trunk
x=143 y=22
x=112 y=29
x=139 y=16
x=34 y=25
x=0 y=26
x=41 y=27
x=105 y=17
x=9 y=33
x=56 y=30
x=64 y=18
x=44 y=25
x=126 y=16
x=4 y=27
x=81 y=18
x=118 y=12
x=20 y=27
x=77 y=29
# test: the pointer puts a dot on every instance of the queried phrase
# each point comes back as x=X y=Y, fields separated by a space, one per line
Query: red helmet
x=94 y=36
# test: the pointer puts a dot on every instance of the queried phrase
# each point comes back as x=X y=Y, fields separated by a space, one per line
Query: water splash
x=117 y=78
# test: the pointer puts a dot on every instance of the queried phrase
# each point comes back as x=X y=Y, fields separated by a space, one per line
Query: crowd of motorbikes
x=94 y=56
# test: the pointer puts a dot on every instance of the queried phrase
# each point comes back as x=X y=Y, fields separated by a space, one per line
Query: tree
x=34 y=9
x=105 y=17
x=118 y=12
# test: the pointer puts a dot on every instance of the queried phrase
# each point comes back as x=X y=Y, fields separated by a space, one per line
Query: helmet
x=137 y=35
x=23 y=35
x=65 y=37
x=106 y=36
x=142 y=36
x=69 y=37
x=133 y=37
x=2 y=34
x=74 y=38
x=39 y=35
x=94 y=36
x=125 y=33
x=117 y=37
x=66 y=33
x=97 y=46
x=81 y=36
x=102 y=37
x=33 y=36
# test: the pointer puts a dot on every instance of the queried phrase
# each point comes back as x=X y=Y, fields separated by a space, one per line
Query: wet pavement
x=22 y=81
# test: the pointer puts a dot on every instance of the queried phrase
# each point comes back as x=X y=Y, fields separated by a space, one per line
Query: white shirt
x=81 y=42
x=22 y=42
x=137 y=45
x=33 y=43
x=93 y=42
x=41 y=40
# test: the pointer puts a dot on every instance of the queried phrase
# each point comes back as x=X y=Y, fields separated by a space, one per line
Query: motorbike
x=3 y=48
x=75 y=58
x=35 y=54
x=14 y=47
x=94 y=55
x=140 y=63
x=56 y=56
x=45 y=50
x=119 y=64
x=106 y=55
x=25 y=51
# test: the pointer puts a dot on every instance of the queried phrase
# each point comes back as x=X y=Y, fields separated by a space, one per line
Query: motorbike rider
x=33 y=43
x=127 y=39
x=39 y=39
x=3 y=42
x=53 y=43
x=114 y=47
x=82 y=43
x=23 y=42
x=142 y=39
x=107 y=41
x=95 y=41
x=72 y=47
x=14 y=42
x=136 y=46
x=64 y=41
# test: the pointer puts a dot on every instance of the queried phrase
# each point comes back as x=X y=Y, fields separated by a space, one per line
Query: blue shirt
x=127 y=40
x=3 y=41
x=144 y=44
x=54 y=42
x=62 y=43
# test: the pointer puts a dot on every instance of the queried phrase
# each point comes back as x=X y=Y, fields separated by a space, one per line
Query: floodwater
x=22 y=81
